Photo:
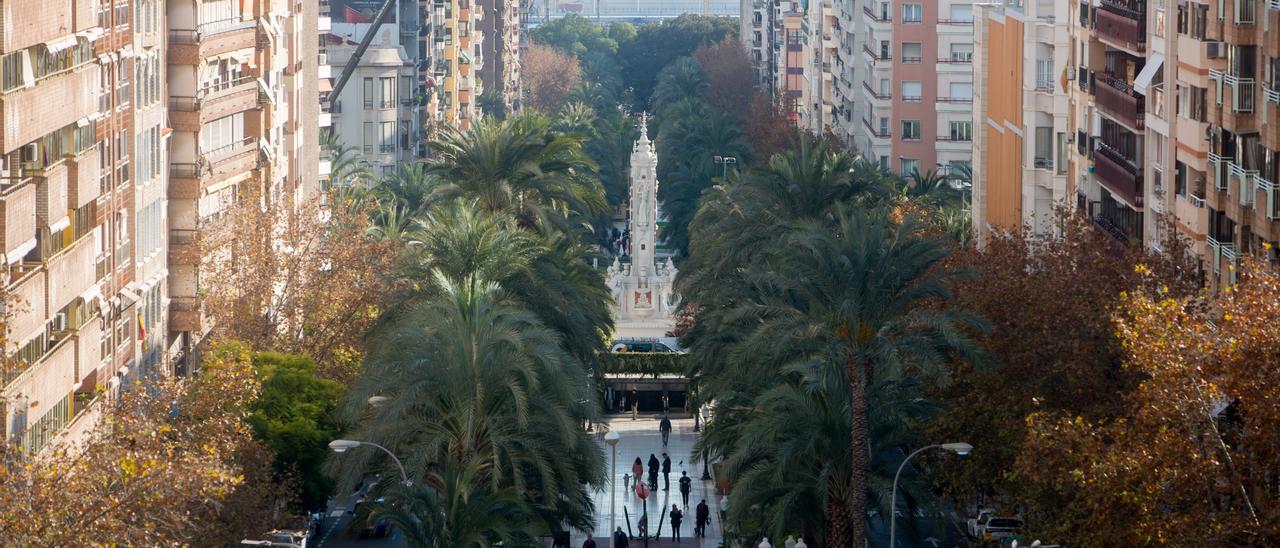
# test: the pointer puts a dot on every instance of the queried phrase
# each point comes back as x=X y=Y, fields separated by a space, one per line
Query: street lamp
x=706 y=472
x=959 y=448
x=612 y=439
x=341 y=446
x=725 y=162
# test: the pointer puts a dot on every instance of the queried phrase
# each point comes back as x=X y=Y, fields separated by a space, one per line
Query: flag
x=142 y=332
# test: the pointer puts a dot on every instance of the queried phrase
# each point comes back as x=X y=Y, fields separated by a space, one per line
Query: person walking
x=666 y=402
x=589 y=543
x=686 y=485
x=676 y=516
x=702 y=514
x=666 y=472
x=619 y=539
x=635 y=403
x=637 y=470
x=665 y=428
x=653 y=472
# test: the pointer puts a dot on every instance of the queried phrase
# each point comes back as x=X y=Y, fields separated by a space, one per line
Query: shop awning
x=1143 y=81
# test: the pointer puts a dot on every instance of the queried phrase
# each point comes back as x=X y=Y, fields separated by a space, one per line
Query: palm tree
x=518 y=165
x=347 y=167
x=454 y=508
x=855 y=290
x=475 y=380
x=791 y=449
x=684 y=78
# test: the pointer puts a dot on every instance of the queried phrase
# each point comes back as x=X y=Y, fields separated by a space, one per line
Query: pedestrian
x=701 y=516
x=724 y=509
x=619 y=539
x=666 y=472
x=589 y=543
x=653 y=472
x=686 y=485
x=635 y=403
x=666 y=402
x=626 y=481
x=637 y=470
x=665 y=428
x=676 y=516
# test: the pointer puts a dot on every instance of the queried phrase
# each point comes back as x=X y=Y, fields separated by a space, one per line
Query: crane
x=350 y=67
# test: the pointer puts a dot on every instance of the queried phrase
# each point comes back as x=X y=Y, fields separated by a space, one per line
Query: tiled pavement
x=639 y=439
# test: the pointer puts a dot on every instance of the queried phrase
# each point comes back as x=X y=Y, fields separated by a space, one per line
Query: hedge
x=646 y=363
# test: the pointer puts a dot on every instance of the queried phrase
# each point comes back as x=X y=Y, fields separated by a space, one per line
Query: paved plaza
x=640 y=438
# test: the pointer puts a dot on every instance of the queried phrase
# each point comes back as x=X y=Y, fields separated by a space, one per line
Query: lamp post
x=341 y=446
x=706 y=472
x=959 y=448
x=725 y=162
x=612 y=439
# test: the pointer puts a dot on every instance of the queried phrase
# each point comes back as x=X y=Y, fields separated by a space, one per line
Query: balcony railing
x=1272 y=94
x=209 y=28
x=1119 y=174
x=186 y=103
x=879 y=18
x=874 y=93
x=1117 y=100
x=1085 y=80
x=1127 y=30
x=874 y=132
x=958 y=100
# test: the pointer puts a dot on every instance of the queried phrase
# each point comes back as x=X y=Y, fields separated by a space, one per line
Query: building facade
x=918 y=85
x=1020 y=137
x=501 y=26
x=1175 y=114
x=376 y=113
x=81 y=167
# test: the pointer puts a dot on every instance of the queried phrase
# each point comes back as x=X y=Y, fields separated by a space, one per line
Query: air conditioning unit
x=1215 y=50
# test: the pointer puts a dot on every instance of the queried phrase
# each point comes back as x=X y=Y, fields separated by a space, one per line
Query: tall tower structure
x=642 y=288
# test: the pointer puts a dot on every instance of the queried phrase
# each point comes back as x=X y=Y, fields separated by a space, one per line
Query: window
x=1191 y=102
x=911 y=130
x=1044 y=74
x=911 y=52
x=387 y=140
x=884 y=49
x=911 y=91
x=369 y=92
x=961 y=13
x=912 y=13
x=961 y=90
x=15 y=69
x=369 y=138
x=222 y=134
x=962 y=53
x=961 y=131
x=909 y=166
x=1044 y=148
x=1180 y=179
x=388 y=92
x=884 y=162
x=884 y=126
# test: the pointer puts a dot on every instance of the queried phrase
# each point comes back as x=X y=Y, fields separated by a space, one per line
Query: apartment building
x=243 y=107
x=1175 y=113
x=376 y=111
x=918 y=84
x=456 y=57
x=501 y=27
x=75 y=173
x=1020 y=138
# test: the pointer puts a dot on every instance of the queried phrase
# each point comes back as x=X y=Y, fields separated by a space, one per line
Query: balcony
x=1271 y=126
x=878 y=134
x=1120 y=102
x=187 y=314
x=190 y=46
x=53 y=103
x=1119 y=175
x=190 y=180
x=874 y=94
x=1122 y=28
x=213 y=101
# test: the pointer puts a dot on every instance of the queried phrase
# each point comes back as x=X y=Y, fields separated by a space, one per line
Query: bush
x=646 y=363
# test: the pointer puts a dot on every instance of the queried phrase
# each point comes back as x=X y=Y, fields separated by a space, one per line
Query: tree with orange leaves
x=1193 y=460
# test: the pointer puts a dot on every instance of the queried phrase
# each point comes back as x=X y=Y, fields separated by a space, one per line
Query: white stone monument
x=642 y=289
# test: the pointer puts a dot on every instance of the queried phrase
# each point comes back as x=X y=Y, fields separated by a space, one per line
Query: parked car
x=990 y=526
x=637 y=345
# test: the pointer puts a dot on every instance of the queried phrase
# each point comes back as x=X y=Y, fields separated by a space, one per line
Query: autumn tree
x=549 y=75
x=302 y=280
x=731 y=78
x=171 y=463
x=1192 y=459
x=1050 y=302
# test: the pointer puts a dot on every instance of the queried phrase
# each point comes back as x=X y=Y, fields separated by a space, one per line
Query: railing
x=1118 y=100
x=912 y=60
x=949 y=99
x=1085 y=80
x=962 y=60
x=875 y=133
x=1271 y=94
x=1125 y=30
x=1084 y=15
x=187 y=103
x=1244 y=179
x=209 y=28
x=883 y=18
x=874 y=56
x=955 y=138
x=1220 y=171
x=1273 y=195
x=1274 y=4
x=1119 y=173
x=956 y=22
x=1196 y=201
x=873 y=93
x=913 y=99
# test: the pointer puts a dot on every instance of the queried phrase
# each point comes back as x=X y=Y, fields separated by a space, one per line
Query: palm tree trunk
x=861 y=458
x=839 y=528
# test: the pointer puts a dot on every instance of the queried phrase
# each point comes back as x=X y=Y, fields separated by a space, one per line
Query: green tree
x=454 y=508
x=682 y=79
x=295 y=416
x=656 y=45
x=576 y=35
